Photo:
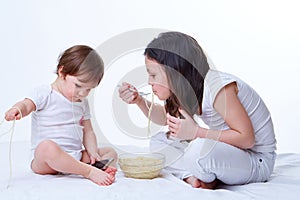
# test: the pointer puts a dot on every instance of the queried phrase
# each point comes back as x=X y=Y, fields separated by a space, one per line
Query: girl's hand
x=129 y=93
x=184 y=129
x=12 y=114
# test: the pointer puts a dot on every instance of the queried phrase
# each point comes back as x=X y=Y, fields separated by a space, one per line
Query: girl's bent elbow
x=249 y=143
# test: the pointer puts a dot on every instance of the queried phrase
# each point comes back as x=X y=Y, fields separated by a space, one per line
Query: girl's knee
x=159 y=141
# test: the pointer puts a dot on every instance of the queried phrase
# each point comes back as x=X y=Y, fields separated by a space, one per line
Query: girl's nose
x=150 y=82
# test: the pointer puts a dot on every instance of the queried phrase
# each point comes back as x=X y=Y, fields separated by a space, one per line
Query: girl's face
x=75 y=90
x=157 y=79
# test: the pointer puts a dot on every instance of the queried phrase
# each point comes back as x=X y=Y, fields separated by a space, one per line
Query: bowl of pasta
x=141 y=165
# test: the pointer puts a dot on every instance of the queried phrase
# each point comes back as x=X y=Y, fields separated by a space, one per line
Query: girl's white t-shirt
x=255 y=107
x=58 y=119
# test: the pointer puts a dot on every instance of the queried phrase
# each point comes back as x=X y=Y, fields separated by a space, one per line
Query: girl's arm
x=25 y=106
x=241 y=133
x=90 y=141
x=158 y=114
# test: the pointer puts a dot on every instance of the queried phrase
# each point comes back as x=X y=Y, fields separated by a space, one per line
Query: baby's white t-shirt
x=58 y=119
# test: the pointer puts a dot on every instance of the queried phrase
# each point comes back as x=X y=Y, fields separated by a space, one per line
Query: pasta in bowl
x=141 y=165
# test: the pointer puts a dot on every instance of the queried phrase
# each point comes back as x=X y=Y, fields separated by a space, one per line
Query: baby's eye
x=78 y=86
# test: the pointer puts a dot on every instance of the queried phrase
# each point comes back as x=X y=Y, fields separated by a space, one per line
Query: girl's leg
x=210 y=160
x=49 y=158
x=197 y=183
x=173 y=150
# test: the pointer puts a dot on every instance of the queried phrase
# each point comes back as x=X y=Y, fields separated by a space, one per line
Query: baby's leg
x=49 y=158
x=108 y=152
x=104 y=153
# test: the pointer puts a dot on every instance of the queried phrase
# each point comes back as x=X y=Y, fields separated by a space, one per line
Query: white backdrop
x=257 y=40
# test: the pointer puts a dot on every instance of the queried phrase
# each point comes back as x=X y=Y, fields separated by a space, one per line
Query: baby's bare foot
x=100 y=177
x=111 y=170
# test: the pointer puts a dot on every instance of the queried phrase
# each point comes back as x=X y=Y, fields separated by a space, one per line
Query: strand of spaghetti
x=6 y=132
x=0 y=125
x=76 y=123
x=11 y=130
x=149 y=113
x=9 y=153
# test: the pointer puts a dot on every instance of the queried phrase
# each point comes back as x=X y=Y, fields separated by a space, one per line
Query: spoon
x=140 y=93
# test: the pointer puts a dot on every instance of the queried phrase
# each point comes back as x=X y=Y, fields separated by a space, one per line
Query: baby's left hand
x=94 y=157
x=184 y=129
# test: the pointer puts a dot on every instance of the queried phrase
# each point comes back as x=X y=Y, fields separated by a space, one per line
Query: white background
x=257 y=40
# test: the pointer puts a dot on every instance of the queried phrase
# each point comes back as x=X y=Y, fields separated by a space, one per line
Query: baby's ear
x=60 y=72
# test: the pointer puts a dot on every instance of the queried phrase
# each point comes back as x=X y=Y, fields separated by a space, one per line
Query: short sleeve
x=215 y=82
x=87 y=113
x=39 y=96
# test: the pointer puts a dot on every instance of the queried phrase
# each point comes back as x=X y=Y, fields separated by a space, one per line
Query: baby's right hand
x=129 y=93
x=12 y=114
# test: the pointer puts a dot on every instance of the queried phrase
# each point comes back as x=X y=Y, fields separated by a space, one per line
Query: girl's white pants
x=209 y=160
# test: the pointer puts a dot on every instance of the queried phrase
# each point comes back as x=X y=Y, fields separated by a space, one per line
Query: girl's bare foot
x=196 y=183
x=100 y=177
x=193 y=181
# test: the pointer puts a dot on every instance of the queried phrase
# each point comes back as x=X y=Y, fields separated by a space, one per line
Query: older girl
x=238 y=147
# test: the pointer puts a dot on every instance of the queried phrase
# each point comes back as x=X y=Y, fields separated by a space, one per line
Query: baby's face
x=75 y=90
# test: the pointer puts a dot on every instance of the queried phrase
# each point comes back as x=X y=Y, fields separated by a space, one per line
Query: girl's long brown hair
x=185 y=65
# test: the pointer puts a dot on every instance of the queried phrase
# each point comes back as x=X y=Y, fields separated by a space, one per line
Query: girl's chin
x=160 y=97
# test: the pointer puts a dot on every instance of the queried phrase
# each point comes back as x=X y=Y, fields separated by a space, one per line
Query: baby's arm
x=19 y=110
x=90 y=141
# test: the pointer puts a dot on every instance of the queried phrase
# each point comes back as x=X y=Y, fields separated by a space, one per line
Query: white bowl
x=142 y=165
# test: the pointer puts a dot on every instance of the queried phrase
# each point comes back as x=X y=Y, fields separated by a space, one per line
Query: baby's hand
x=12 y=114
x=94 y=157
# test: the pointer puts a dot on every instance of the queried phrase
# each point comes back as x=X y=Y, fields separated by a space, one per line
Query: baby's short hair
x=83 y=61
